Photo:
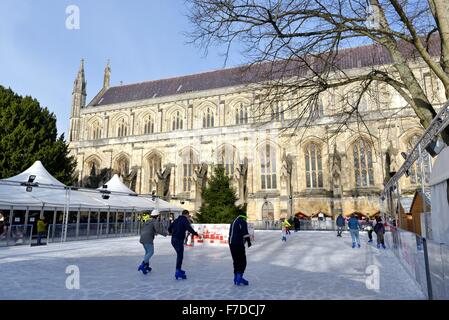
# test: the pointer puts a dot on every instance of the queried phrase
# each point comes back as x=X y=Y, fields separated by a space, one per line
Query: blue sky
x=143 y=39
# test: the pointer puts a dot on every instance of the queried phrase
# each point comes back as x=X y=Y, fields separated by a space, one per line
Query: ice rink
x=310 y=265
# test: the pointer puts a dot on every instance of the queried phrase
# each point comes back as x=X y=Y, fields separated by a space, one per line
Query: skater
x=238 y=234
x=369 y=230
x=178 y=231
x=41 y=226
x=149 y=230
x=285 y=225
x=297 y=223
x=379 y=229
x=354 y=228
x=340 y=224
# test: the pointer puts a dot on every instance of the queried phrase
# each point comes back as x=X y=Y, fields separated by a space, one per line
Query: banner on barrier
x=214 y=234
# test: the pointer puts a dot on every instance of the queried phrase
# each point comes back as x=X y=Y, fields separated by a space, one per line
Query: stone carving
x=287 y=166
x=200 y=183
x=336 y=172
x=163 y=182
x=242 y=179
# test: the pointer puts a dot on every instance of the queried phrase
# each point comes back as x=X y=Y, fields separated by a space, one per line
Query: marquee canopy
x=48 y=193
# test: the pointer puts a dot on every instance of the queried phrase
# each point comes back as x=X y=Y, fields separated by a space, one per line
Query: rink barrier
x=16 y=235
x=426 y=261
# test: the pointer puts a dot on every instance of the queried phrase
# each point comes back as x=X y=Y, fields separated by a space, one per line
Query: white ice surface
x=310 y=265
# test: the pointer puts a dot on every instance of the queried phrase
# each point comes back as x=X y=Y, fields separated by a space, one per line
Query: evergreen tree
x=28 y=133
x=219 y=200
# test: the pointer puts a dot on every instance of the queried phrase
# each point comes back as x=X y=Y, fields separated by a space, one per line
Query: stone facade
x=277 y=170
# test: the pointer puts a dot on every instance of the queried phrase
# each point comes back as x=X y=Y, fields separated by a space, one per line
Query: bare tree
x=296 y=49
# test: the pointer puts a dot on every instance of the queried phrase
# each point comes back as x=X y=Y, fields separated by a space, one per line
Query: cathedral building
x=165 y=136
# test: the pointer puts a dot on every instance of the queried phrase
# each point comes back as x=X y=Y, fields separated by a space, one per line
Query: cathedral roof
x=350 y=58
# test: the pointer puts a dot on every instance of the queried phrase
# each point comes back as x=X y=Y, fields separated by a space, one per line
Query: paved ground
x=311 y=265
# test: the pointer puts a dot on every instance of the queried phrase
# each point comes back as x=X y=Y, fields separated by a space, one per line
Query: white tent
x=439 y=197
x=50 y=193
x=115 y=184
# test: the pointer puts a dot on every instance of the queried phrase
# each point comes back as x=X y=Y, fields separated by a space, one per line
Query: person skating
x=354 y=228
x=379 y=229
x=238 y=235
x=369 y=230
x=149 y=230
x=41 y=227
x=178 y=231
x=297 y=223
x=340 y=224
x=285 y=226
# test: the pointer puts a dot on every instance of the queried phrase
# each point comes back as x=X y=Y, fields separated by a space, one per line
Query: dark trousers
x=380 y=238
x=297 y=227
x=40 y=235
x=178 y=244
x=238 y=257
x=370 y=234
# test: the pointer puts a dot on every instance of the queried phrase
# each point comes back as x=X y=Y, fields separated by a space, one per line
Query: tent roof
x=440 y=170
x=42 y=175
x=116 y=185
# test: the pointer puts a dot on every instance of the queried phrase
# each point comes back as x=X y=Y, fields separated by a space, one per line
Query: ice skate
x=147 y=267
x=142 y=268
x=358 y=245
x=353 y=245
x=238 y=279
x=383 y=246
x=180 y=274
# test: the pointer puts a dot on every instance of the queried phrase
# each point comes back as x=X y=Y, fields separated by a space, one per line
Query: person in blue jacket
x=238 y=235
x=354 y=228
x=178 y=233
x=340 y=224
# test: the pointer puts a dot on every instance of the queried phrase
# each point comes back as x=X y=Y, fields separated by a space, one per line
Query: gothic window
x=148 y=125
x=122 y=166
x=314 y=169
x=227 y=156
x=363 y=164
x=422 y=166
x=189 y=163
x=177 y=122
x=241 y=114
x=154 y=166
x=277 y=112
x=208 y=118
x=268 y=167
x=122 y=128
x=96 y=130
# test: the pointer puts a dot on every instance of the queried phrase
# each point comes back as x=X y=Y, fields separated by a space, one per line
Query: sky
x=144 y=40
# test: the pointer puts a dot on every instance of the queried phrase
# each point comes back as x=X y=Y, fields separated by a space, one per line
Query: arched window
x=94 y=167
x=317 y=109
x=122 y=128
x=421 y=166
x=148 y=125
x=154 y=166
x=241 y=114
x=177 y=122
x=96 y=130
x=208 y=118
x=268 y=167
x=363 y=164
x=122 y=166
x=314 y=169
x=189 y=163
x=227 y=156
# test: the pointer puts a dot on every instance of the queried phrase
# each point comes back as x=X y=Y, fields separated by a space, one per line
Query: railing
x=438 y=257
x=16 y=235
x=86 y=231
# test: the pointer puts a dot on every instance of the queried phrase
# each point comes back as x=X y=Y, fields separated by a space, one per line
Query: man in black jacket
x=178 y=231
x=238 y=234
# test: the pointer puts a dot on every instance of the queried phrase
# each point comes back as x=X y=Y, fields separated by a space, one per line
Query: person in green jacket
x=41 y=230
